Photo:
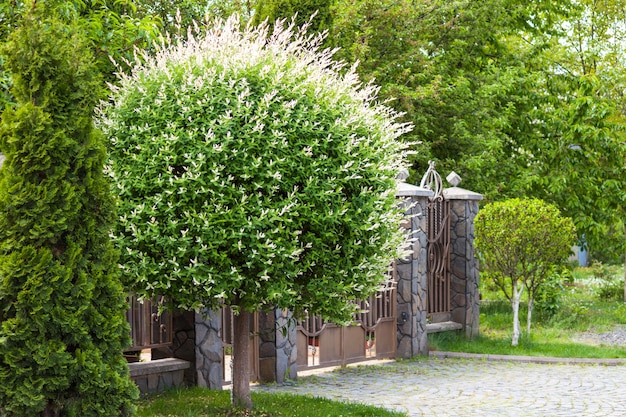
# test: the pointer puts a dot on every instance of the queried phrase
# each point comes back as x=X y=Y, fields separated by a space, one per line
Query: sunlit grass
x=201 y=402
x=582 y=310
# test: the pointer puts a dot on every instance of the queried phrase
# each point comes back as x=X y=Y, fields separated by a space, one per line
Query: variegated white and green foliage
x=251 y=173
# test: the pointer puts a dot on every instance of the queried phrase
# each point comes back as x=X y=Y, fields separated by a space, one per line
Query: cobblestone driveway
x=471 y=387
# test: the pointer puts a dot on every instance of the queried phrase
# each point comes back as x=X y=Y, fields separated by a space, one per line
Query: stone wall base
x=158 y=375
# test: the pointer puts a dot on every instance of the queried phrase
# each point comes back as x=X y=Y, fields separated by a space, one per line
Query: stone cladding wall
x=465 y=296
x=277 y=347
x=209 y=349
x=197 y=340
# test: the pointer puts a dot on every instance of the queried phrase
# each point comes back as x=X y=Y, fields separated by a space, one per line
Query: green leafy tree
x=252 y=175
x=176 y=17
x=519 y=98
x=450 y=67
x=302 y=11
x=520 y=242
x=62 y=306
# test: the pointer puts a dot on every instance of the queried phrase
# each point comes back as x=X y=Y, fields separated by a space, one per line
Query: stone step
x=444 y=326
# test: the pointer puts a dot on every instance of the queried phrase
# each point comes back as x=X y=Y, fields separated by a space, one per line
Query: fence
x=148 y=328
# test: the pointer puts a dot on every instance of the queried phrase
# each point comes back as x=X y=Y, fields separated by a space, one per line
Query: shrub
x=62 y=306
x=549 y=293
x=609 y=286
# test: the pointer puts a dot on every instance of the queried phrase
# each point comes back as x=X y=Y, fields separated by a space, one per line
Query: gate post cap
x=457 y=193
x=408 y=190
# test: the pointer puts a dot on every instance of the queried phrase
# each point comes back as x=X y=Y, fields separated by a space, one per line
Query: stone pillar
x=465 y=301
x=411 y=276
x=209 y=349
x=277 y=346
x=197 y=340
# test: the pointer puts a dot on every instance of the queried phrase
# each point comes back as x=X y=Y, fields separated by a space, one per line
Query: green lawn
x=591 y=302
x=200 y=402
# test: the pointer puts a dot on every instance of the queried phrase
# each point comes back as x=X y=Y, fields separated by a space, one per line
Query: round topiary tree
x=252 y=174
x=62 y=306
x=520 y=243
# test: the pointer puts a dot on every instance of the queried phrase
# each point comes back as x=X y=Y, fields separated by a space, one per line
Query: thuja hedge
x=62 y=323
x=252 y=174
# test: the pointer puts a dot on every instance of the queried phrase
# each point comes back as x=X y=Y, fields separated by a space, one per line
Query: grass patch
x=584 y=307
x=538 y=345
x=201 y=402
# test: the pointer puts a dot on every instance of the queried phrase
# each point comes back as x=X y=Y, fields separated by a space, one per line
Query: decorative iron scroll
x=438 y=258
x=432 y=181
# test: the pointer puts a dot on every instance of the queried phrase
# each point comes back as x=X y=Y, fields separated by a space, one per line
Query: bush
x=549 y=293
x=610 y=286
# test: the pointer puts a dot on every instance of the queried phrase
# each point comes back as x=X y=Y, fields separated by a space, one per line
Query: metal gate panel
x=372 y=336
x=438 y=259
x=354 y=339
x=386 y=340
x=330 y=342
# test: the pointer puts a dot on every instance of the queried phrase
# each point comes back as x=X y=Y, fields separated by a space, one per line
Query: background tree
x=252 y=175
x=175 y=17
x=273 y=10
x=62 y=307
x=520 y=242
x=519 y=98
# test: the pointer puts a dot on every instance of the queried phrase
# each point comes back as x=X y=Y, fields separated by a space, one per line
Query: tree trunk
x=517 y=294
x=531 y=304
x=241 y=361
x=49 y=411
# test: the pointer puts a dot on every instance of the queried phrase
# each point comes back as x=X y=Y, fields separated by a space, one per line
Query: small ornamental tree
x=252 y=174
x=519 y=244
x=62 y=306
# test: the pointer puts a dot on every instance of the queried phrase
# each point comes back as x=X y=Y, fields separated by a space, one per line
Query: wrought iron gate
x=321 y=343
x=438 y=259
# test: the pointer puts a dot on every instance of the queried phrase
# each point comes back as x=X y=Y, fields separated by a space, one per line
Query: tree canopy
x=519 y=98
x=112 y=28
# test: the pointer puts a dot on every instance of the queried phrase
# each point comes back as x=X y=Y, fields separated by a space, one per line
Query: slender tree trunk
x=517 y=294
x=531 y=305
x=241 y=361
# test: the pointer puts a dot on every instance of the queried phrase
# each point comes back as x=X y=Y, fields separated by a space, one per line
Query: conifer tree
x=62 y=324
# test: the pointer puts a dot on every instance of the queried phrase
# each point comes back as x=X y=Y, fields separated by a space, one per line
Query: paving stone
x=475 y=387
